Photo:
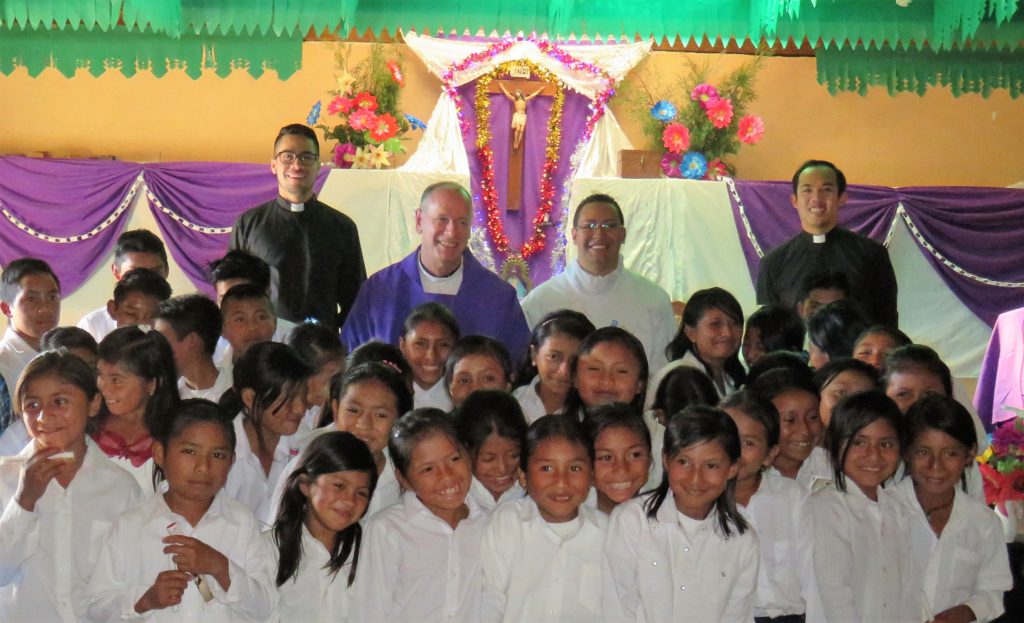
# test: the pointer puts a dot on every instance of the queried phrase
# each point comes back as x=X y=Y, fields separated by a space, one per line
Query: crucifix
x=519 y=91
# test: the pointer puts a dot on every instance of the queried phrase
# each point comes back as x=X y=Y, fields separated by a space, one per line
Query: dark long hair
x=694 y=426
x=696 y=307
x=609 y=335
x=558 y=322
x=943 y=414
x=391 y=378
x=852 y=414
x=328 y=453
x=148 y=355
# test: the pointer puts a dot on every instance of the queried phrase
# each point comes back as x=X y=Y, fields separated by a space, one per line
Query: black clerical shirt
x=316 y=263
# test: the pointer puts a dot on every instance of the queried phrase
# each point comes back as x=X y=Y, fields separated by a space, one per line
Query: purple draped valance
x=975 y=230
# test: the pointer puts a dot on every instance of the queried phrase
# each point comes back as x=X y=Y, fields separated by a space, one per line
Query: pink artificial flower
x=676 y=137
x=340 y=151
x=366 y=101
x=704 y=93
x=719 y=112
x=339 y=105
x=362 y=119
x=396 y=73
x=670 y=165
x=751 y=129
x=716 y=169
x=383 y=128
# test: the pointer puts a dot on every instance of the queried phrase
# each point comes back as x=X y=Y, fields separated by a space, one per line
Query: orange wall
x=903 y=140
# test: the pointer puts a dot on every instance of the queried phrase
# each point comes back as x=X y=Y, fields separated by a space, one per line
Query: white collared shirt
x=414 y=567
x=48 y=555
x=967 y=564
x=657 y=570
x=247 y=482
x=225 y=378
x=436 y=397
x=532 y=574
x=15 y=354
x=815 y=473
x=860 y=557
x=98 y=323
x=314 y=594
x=387 y=493
x=776 y=511
x=432 y=284
x=689 y=359
x=486 y=500
x=133 y=557
x=530 y=402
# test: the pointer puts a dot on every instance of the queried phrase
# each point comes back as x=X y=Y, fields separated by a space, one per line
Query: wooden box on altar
x=639 y=164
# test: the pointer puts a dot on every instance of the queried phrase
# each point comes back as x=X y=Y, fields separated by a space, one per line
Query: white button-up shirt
x=486 y=500
x=776 y=511
x=437 y=396
x=657 y=570
x=815 y=473
x=860 y=557
x=15 y=354
x=225 y=377
x=247 y=482
x=414 y=567
x=133 y=556
x=48 y=555
x=532 y=574
x=99 y=323
x=313 y=594
x=967 y=564
x=530 y=402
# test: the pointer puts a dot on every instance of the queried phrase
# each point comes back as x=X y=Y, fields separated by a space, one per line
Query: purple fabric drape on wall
x=63 y=198
x=207 y=194
x=519 y=223
x=975 y=228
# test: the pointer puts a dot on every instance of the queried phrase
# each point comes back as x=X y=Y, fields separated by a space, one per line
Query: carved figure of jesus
x=519 y=114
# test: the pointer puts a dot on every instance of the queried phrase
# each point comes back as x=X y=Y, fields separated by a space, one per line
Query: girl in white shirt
x=428 y=336
x=840 y=378
x=683 y=552
x=959 y=562
x=543 y=382
x=774 y=507
x=190 y=552
x=541 y=555
x=800 y=455
x=421 y=557
x=317 y=534
x=491 y=426
x=320 y=348
x=270 y=382
x=610 y=366
x=476 y=362
x=140 y=386
x=679 y=388
x=622 y=453
x=859 y=558
x=59 y=495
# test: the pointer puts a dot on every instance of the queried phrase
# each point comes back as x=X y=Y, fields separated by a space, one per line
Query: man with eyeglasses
x=598 y=285
x=316 y=262
x=441 y=270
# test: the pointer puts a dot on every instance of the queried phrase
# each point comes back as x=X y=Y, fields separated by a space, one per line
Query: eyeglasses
x=609 y=226
x=306 y=158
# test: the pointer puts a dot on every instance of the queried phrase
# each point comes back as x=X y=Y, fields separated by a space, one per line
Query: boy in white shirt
x=191 y=323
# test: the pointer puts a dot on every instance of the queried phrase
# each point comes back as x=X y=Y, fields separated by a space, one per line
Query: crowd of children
x=220 y=466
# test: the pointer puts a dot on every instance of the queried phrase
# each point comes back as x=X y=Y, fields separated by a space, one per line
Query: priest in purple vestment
x=441 y=270
x=1001 y=382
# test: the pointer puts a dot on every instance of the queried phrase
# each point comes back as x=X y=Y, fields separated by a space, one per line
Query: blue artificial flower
x=314 y=114
x=664 y=111
x=694 y=166
x=414 y=122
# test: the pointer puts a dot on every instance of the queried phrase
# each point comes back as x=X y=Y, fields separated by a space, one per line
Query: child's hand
x=197 y=558
x=165 y=592
x=36 y=475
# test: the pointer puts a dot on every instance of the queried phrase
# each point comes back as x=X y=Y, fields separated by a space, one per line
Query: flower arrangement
x=1002 y=464
x=700 y=122
x=363 y=115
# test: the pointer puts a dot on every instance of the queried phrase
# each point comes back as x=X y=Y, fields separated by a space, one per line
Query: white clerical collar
x=818 y=238
x=432 y=284
x=296 y=207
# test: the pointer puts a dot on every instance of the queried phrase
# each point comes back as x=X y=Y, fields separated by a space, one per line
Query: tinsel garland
x=485 y=156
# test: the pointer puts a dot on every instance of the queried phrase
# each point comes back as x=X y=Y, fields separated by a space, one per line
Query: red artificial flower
x=365 y=101
x=362 y=119
x=716 y=169
x=720 y=112
x=383 y=128
x=339 y=106
x=676 y=138
x=751 y=129
x=704 y=93
x=396 y=73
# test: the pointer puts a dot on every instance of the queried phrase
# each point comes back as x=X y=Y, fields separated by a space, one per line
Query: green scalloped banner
x=962 y=71
x=131 y=51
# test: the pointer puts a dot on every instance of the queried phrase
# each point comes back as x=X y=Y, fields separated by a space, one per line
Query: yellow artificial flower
x=360 y=159
x=345 y=82
x=379 y=157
